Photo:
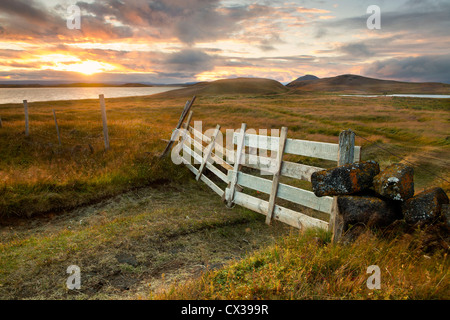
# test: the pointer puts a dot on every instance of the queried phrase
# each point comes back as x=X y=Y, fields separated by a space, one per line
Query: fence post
x=234 y=177
x=25 y=107
x=186 y=109
x=56 y=125
x=345 y=156
x=276 y=176
x=105 y=124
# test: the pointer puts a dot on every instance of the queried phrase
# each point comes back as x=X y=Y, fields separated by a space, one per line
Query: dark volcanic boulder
x=425 y=207
x=445 y=212
x=396 y=182
x=368 y=210
x=344 y=180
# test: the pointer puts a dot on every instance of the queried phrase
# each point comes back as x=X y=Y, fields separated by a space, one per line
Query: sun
x=89 y=67
x=75 y=64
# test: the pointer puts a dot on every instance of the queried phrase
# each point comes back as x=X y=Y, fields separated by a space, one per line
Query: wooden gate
x=203 y=154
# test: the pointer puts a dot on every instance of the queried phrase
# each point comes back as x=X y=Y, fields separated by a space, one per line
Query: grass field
x=77 y=204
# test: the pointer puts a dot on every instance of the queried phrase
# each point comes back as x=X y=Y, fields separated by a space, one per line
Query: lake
x=435 y=96
x=17 y=95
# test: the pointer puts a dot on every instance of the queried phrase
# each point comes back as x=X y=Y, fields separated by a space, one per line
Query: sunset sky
x=174 y=41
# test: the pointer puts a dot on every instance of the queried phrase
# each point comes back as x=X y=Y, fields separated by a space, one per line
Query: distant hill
x=230 y=86
x=355 y=84
x=308 y=77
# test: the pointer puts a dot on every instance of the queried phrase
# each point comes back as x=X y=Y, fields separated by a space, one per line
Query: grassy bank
x=37 y=175
x=128 y=245
x=136 y=225
x=309 y=267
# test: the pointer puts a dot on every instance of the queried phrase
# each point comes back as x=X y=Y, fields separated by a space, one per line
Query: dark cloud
x=193 y=61
x=425 y=68
x=190 y=20
x=356 y=50
x=409 y=19
x=31 y=20
x=417 y=28
x=23 y=19
x=28 y=10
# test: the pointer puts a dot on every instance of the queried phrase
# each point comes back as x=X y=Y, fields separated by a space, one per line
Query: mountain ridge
x=356 y=84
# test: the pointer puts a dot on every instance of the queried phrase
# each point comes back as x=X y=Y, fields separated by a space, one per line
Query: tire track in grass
x=166 y=234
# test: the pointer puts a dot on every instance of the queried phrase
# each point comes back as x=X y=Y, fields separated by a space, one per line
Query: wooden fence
x=104 y=122
x=229 y=170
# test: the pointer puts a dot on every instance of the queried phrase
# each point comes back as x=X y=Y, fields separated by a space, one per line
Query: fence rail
x=226 y=164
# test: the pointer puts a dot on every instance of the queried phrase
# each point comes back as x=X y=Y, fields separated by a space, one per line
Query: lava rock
x=425 y=207
x=396 y=182
x=367 y=210
x=445 y=211
x=344 y=180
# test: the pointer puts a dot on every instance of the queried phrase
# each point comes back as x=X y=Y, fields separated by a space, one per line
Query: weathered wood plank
x=298 y=170
x=296 y=195
x=207 y=152
x=213 y=156
x=290 y=217
x=219 y=149
x=186 y=109
x=346 y=152
x=322 y=150
x=288 y=169
x=57 y=128
x=212 y=185
x=276 y=176
x=222 y=176
x=104 y=121
x=25 y=108
x=258 y=141
x=314 y=149
x=346 y=155
x=190 y=166
x=205 y=179
x=357 y=157
x=233 y=180
x=178 y=147
x=265 y=164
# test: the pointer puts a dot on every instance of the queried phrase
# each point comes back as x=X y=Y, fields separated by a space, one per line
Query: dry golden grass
x=35 y=170
x=39 y=176
x=307 y=266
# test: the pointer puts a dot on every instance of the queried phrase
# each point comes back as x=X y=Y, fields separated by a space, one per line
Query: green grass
x=167 y=240
x=100 y=204
x=307 y=266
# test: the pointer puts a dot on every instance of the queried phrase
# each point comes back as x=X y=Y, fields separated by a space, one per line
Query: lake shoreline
x=400 y=95
x=17 y=95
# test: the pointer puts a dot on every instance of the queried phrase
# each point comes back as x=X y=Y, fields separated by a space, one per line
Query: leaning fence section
x=202 y=154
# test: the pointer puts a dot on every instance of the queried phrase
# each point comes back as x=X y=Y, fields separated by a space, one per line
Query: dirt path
x=128 y=246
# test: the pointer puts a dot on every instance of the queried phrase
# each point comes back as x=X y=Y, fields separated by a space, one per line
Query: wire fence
x=375 y=144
